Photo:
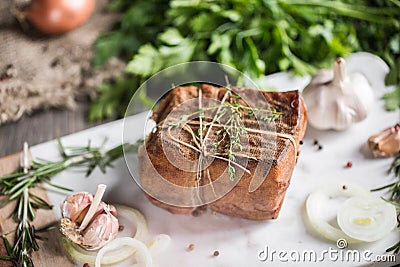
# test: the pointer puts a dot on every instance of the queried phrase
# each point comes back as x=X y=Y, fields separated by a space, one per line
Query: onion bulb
x=57 y=16
x=367 y=218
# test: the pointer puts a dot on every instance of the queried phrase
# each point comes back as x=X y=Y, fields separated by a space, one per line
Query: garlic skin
x=76 y=206
x=385 y=143
x=336 y=100
x=102 y=228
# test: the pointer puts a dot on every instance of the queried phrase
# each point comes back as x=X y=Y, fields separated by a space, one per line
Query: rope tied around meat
x=230 y=129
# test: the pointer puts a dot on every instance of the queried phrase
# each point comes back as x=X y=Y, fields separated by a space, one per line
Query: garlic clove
x=76 y=204
x=101 y=230
x=385 y=143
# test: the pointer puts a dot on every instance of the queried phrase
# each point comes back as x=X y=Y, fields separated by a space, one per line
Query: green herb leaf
x=114 y=98
x=256 y=37
x=146 y=62
x=107 y=45
x=171 y=37
x=392 y=99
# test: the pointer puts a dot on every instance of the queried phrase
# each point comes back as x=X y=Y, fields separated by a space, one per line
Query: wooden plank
x=51 y=252
x=43 y=126
x=7 y=165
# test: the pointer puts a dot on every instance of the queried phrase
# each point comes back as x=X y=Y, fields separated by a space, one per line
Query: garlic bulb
x=385 y=143
x=88 y=221
x=336 y=100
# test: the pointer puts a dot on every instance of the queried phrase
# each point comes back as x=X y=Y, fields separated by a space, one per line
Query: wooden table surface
x=43 y=126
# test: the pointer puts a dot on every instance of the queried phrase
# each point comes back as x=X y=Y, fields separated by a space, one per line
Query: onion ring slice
x=331 y=189
x=367 y=218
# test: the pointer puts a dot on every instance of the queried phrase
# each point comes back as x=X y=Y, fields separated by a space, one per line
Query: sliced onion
x=367 y=218
x=133 y=222
x=331 y=190
x=134 y=225
x=159 y=244
x=141 y=254
x=80 y=255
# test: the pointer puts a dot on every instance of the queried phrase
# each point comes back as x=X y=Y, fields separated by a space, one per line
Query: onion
x=134 y=225
x=367 y=218
x=160 y=243
x=142 y=253
x=133 y=222
x=58 y=16
x=80 y=255
x=331 y=190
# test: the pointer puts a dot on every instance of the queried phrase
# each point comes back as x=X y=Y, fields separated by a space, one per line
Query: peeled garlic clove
x=336 y=100
x=385 y=143
x=101 y=230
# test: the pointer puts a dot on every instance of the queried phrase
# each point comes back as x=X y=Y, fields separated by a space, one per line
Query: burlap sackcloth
x=38 y=71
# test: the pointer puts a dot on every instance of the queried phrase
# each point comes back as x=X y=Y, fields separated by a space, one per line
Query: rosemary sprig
x=16 y=186
x=394 y=189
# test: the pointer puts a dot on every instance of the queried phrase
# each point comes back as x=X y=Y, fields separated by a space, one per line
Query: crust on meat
x=263 y=203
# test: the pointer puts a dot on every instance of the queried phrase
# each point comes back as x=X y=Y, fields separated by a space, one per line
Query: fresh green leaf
x=392 y=99
x=107 y=45
x=171 y=37
x=257 y=37
x=146 y=62
x=114 y=98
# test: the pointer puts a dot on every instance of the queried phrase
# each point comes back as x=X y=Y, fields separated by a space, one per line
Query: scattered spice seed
x=301 y=142
x=55 y=62
x=319 y=147
x=3 y=78
x=216 y=253
x=349 y=164
x=121 y=228
x=195 y=213
x=86 y=265
x=315 y=142
x=344 y=187
x=11 y=71
x=191 y=247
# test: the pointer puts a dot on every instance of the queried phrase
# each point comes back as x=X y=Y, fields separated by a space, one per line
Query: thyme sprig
x=228 y=117
x=16 y=187
x=394 y=189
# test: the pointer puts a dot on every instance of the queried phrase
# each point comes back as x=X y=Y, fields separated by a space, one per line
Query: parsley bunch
x=257 y=37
